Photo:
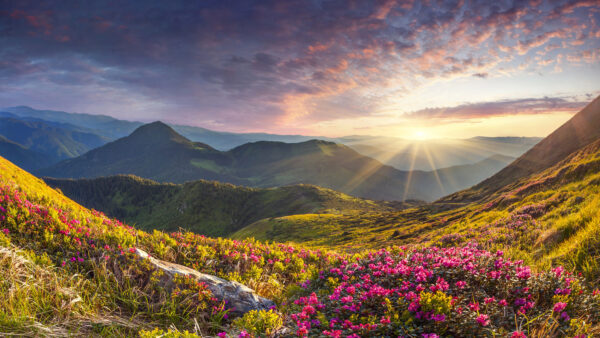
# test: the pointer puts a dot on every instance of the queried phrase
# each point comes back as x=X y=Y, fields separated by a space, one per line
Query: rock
x=239 y=297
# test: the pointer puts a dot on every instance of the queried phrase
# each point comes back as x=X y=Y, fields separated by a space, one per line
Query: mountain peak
x=157 y=132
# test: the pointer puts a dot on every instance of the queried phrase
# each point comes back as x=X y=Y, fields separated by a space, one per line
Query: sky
x=412 y=69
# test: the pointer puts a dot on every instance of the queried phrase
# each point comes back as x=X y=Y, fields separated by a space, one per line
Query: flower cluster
x=451 y=291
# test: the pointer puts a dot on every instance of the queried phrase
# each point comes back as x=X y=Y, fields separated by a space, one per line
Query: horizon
x=449 y=70
x=416 y=138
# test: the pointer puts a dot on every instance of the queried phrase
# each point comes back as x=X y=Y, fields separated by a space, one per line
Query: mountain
x=23 y=157
x=209 y=208
x=435 y=154
x=103 y=125
x=226 y=141
x=546 y=212
x=458 y=177
x=581 y=130
x=399 y=153
x=57 y=141
x=152 y=151
x=156 y=151
x=112 y=128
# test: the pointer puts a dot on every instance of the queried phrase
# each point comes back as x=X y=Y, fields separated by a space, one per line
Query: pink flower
x=347 y=299
x=518 y=334
x=439 y=318
x=483 y=320
x=474 y=306
x=385 y=320
x=222 y=334
x=559 y=307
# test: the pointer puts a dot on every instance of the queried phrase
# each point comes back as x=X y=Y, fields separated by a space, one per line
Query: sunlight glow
x=420 y=135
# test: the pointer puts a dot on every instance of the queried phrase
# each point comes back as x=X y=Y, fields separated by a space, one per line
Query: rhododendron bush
x=450 y=291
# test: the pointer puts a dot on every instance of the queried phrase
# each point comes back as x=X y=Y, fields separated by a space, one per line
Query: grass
x=564 y=232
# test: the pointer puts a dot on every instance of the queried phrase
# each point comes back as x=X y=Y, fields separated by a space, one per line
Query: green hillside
x=69 y=271
x=210 y=208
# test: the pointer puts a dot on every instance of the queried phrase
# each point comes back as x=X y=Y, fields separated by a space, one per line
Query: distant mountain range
x=156 y=151
x=435 y=154
x=400 y=153
x=58 y=141
x=39 y=139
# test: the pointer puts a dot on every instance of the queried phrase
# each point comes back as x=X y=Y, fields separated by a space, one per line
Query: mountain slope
x=106 y=126
x=69 y=271
x=581 y=130
x=152 y=151
x=23 y=157
x=208 y=208
x=458 y=177
x=549 y=217
x=155 y=151
x=57 y=142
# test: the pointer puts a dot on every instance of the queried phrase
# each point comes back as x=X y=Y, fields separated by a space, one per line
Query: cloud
x=523 y=106
x=270 y=62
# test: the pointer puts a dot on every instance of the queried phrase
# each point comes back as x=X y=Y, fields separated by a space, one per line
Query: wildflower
x=483 y=320
x=222 y=334
x=474 y=307
x=518 y=334
x=439 y=318
x=559 y=307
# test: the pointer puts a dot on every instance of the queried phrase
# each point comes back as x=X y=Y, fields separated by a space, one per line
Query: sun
x=420 y=135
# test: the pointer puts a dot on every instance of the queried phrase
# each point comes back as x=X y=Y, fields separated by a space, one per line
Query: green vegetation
x=487 y=261
x=545 y=219
x=80 y=277
x=209 y=208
